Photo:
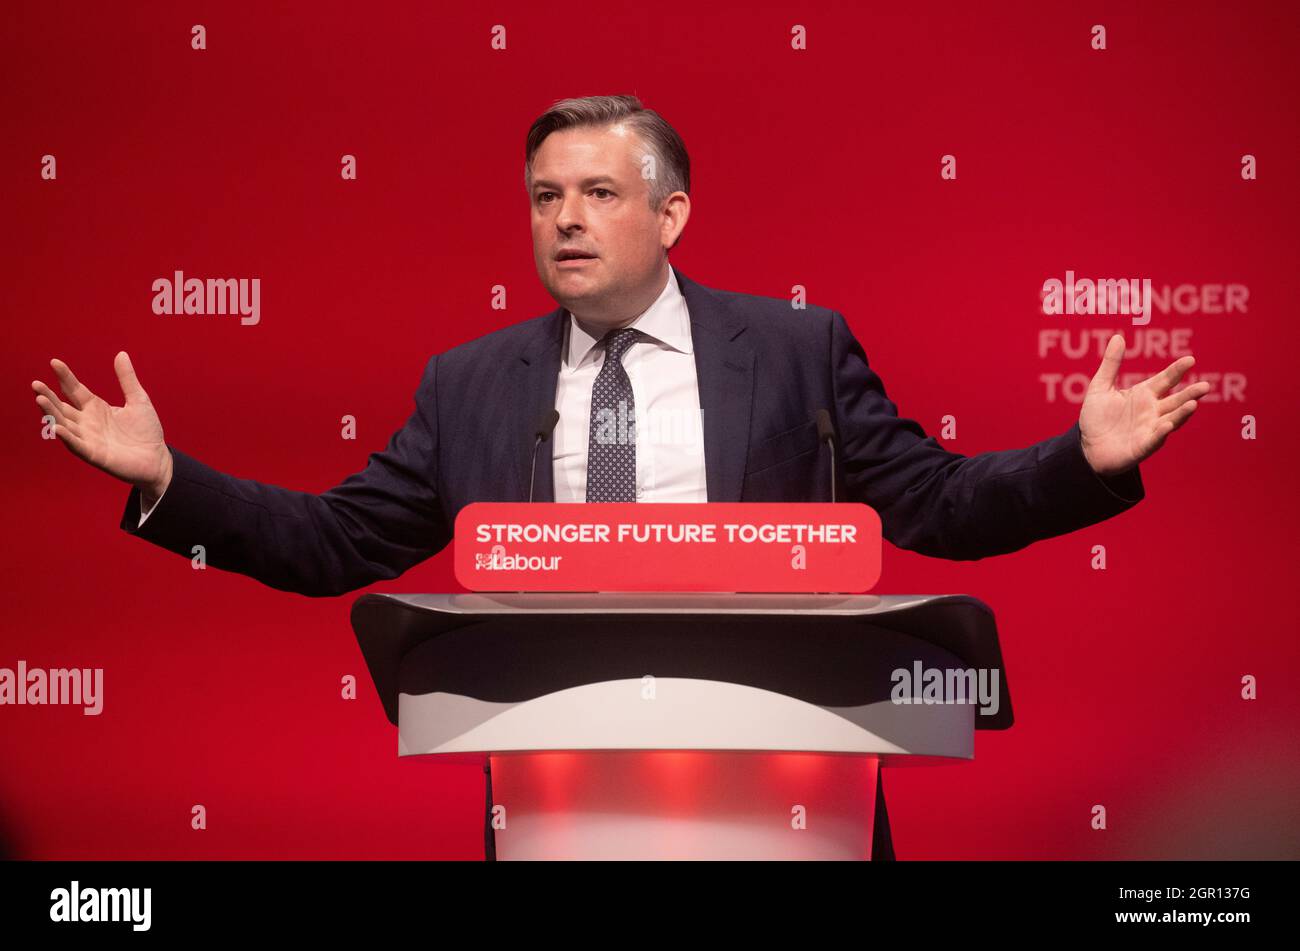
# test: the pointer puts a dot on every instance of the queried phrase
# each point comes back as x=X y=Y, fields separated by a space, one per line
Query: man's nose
x=569 y=216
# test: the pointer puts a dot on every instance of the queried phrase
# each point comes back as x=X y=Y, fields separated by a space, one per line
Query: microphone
x=545 y=426
x=826 y=434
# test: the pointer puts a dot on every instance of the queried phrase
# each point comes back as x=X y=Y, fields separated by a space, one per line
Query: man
x=739 y=377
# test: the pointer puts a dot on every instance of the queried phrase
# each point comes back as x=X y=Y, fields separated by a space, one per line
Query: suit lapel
x=724 y=370
x=539 y=376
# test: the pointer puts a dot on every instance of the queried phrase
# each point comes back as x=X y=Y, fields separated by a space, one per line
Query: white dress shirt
x=666 y=396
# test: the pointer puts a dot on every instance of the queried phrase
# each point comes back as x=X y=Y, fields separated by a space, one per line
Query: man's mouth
x=570 y=254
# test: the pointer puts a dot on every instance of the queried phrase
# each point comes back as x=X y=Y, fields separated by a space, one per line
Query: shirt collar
x=666 y=321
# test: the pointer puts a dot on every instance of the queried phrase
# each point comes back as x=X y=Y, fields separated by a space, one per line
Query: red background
x=817 y=168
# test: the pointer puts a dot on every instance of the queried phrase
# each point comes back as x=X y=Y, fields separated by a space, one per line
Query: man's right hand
x=125 y=441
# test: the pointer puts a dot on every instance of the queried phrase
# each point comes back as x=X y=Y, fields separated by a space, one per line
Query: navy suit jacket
x=764 y=370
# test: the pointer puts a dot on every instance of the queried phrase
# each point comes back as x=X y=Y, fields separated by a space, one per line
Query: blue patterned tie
x=611 y=446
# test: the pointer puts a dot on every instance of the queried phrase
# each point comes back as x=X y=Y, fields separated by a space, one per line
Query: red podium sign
x=711 y=546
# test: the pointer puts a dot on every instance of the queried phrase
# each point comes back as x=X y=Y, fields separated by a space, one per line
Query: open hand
x=125 y=441
x=1120 y=428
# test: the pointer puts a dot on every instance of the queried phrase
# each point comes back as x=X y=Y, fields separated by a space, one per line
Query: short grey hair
x=672 y=164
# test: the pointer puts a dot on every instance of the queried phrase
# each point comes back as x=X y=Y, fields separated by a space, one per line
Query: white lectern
x=677 y=726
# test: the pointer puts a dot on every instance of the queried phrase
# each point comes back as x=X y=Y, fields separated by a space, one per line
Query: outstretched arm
x=373 y=526
x=961 y=507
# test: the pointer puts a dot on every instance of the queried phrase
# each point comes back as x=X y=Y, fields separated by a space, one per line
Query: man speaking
x=666 y=391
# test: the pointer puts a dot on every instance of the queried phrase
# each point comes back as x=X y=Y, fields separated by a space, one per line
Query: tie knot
x=617 y=342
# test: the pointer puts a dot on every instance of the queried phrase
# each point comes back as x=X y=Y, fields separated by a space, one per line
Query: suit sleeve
x=949 y=505
x=373 y=526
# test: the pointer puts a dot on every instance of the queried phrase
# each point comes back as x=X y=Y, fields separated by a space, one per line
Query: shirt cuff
x=1125 y=486
x=144 y=512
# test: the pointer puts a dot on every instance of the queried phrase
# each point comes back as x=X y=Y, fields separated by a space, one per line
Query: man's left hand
x=1120 y=428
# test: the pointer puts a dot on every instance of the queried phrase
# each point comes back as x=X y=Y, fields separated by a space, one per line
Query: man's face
x=588 y=195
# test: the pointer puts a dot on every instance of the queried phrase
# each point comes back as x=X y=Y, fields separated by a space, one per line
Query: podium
x=677 y=726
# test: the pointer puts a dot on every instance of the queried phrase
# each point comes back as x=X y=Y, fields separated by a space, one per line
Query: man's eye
x=543 y=195
x=605 y=190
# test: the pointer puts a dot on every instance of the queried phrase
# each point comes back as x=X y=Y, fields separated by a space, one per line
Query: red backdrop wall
x=817 y=167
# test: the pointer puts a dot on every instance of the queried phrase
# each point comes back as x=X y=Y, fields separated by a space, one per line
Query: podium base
x=683 y=804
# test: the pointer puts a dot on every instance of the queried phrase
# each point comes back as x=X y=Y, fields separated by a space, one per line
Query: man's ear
x=675 y=213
